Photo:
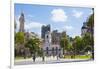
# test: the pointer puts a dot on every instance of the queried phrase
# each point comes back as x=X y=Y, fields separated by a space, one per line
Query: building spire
x=21 y=20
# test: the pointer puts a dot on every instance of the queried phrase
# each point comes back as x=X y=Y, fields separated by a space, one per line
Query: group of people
x=43 y=57
x=34 y=57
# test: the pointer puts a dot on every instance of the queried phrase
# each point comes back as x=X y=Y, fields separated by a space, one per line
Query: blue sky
x=61 y=18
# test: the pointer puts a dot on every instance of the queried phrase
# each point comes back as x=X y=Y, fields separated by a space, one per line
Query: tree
x=87 y=39
x=64 y=42
x=19 y=38
x=90 y=21
x=87 y=48
x=88 y=43
x=19 y=43
x=90 y=24
x=78 y=45
x=33 y=45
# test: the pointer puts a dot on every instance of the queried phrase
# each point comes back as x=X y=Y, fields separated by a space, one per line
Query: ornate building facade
x=84 y=29
x=44 y=30
x=51 y=41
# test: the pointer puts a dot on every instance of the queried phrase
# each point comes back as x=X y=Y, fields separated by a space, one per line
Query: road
x=49 y=60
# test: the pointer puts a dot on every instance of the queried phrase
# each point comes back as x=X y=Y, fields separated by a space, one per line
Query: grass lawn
x=78 y=57
x=66 y=57
x=20 y=57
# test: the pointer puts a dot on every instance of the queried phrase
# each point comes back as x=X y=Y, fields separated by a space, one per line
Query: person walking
x=43 y=57
x=34 y=57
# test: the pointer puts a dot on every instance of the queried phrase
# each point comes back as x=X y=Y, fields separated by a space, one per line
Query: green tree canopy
x=90 y=21
x=87 y=40
x=64 y=41
x=78 y=44
x=33 y=45
x=87 y=48
x=19 y=38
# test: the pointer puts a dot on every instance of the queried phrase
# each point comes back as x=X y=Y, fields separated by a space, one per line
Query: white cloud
x=91 y=12
x=76 y=34
x=39 y=33
x=28 y=25
x=58 y=15
x=77 y=14
x=68 y=27
x=33 y=25
x=17 y=22
x=30 y=16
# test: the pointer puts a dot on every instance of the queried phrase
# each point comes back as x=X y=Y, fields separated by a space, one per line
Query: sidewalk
x=37 y=59
x=50 y=60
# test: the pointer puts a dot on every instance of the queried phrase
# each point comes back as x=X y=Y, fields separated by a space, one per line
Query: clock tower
x=21 y=20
